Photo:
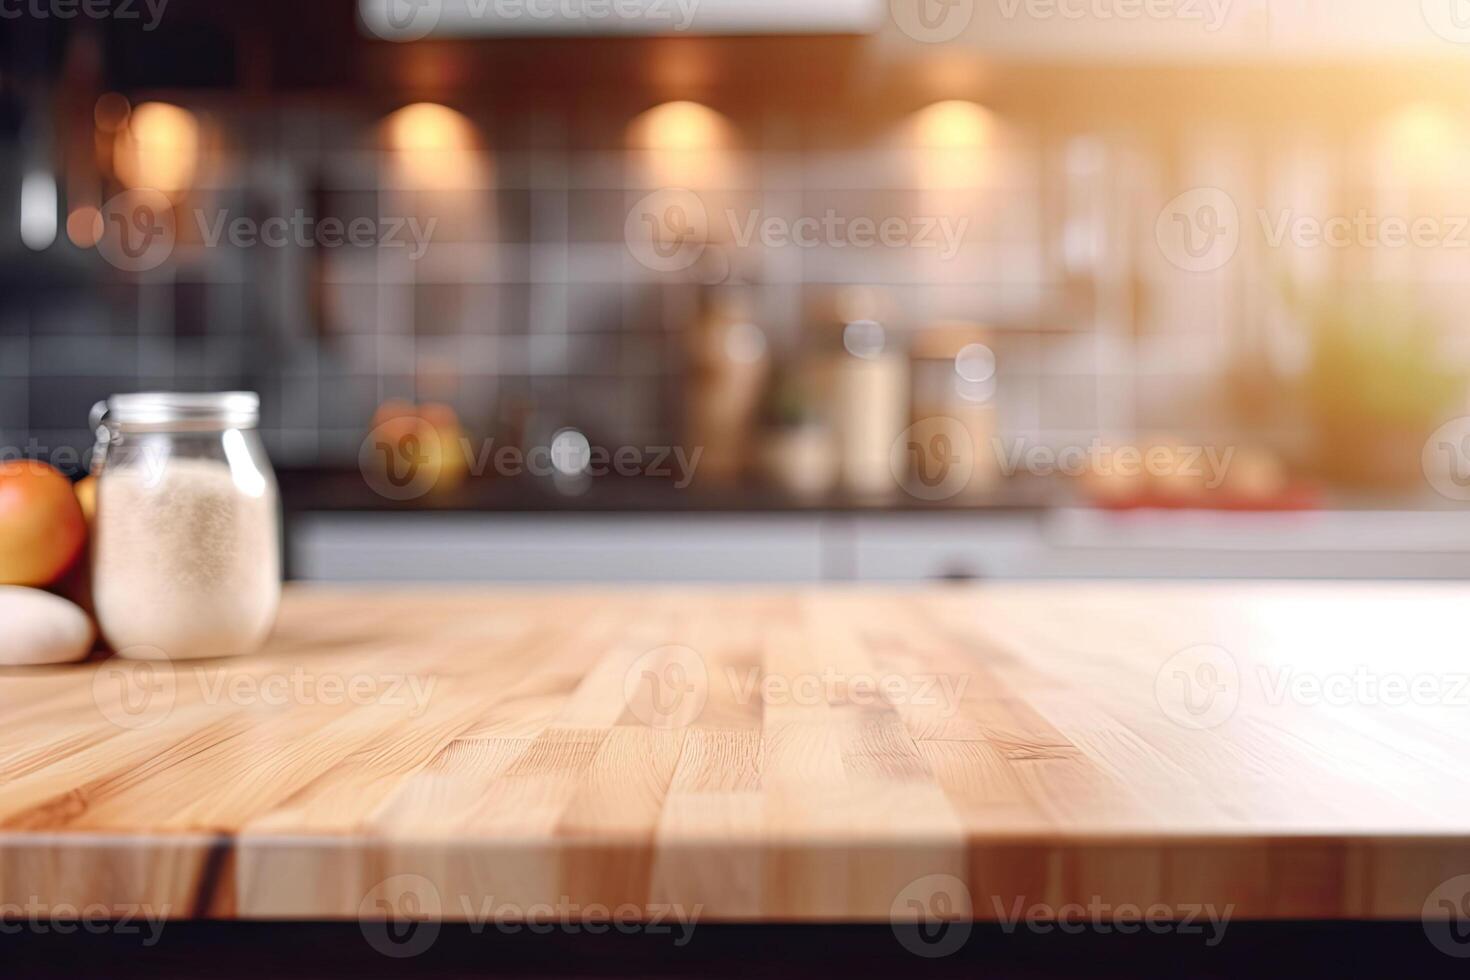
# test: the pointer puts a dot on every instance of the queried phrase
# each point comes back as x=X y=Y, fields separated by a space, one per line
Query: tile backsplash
x=502 y=281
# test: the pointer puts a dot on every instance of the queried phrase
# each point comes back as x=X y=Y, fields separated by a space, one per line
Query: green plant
x=1377 y=359
x=1377 y=385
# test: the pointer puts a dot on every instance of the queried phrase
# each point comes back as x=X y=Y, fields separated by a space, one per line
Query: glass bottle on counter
x=871 y=399
x=186 y=558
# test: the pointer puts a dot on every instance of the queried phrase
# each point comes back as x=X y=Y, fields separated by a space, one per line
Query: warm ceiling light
x=431 y=145
x=428 y=126
x=682 y=144
x=1424 y=124
x=953 y=124
x=680 y=126
x=1422 y=141
x=950 y=142
x=158 y=148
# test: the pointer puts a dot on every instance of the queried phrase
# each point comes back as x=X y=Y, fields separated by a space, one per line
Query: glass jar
x=186 y=557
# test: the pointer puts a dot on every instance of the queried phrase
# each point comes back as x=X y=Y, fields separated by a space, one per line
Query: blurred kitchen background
x=743 y=290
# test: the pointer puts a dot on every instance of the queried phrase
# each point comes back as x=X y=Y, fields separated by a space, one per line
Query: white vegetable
x=39 y=628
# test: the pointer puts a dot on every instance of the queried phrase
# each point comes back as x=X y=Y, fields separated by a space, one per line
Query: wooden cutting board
x=780 y=755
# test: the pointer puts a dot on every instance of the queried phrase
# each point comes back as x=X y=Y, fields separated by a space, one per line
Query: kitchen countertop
x=767 y=755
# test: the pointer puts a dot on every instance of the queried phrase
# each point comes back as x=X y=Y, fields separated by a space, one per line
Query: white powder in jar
x=186 y=562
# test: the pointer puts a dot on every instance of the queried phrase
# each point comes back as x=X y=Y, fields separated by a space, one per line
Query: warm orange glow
x=951 y=143
x=431 y=145
x=84 y=226
x=1421 y=141
x=683 y=144
x=158 y=148
x=426 y=127
x=953 y=124
x=684 y=65
x=1424 y=124
x=680 y=126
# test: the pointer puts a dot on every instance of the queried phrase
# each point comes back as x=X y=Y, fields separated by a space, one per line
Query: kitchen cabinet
x=561 y=547
x=875 y=546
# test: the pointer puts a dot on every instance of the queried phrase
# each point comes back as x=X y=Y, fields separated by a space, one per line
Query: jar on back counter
x=186 y=559
x=955 y=386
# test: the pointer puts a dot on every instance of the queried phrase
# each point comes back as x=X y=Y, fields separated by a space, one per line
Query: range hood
x=411 y=20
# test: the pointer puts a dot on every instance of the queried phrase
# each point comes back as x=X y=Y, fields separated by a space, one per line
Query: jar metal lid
x=235 y=409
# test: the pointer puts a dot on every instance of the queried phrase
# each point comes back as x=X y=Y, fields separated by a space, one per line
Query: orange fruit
x=86 y=491
x=42 y=528
x=420 y=439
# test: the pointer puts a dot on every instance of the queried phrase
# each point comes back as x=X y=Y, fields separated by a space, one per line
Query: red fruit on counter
x=42 y=528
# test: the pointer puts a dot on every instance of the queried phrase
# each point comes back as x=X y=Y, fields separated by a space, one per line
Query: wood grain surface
x=1289 y=750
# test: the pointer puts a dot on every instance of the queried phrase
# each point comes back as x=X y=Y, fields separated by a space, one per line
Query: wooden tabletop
x=1289 y=750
